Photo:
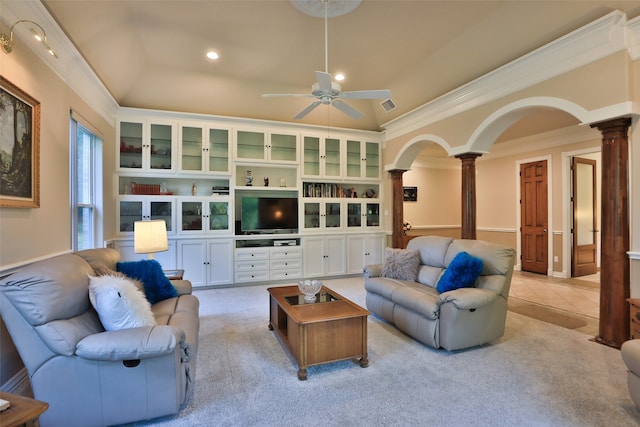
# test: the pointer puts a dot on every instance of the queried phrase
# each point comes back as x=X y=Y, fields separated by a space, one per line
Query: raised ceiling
x=151 y=53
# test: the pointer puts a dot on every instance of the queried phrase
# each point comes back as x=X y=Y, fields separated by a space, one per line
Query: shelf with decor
x=172 y=186
x=340 y=190
x=266 y=177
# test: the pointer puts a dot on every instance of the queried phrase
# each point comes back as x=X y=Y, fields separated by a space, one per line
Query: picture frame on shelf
x=410 y=194
x=19 y=147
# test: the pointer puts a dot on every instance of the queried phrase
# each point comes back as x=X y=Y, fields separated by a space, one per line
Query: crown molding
x=592 y=42
x=633 y=38
x=70 y=66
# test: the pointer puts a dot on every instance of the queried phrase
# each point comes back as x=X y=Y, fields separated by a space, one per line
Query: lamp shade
x=150 y=236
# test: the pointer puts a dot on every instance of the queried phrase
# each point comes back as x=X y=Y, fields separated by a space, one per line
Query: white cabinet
x=285 y=262
x=262 y=146
x=251 y=264
x=364 y=249
x=167 y=259
x=204 y=215
x=363 y=159
x=146 y=146
x=206 y=262
x=324 y=256
x=203 y=149
x=268 y=263
x=130 y=209
x=321 y=157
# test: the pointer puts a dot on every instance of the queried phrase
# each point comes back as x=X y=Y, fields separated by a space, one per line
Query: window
x=86 y=187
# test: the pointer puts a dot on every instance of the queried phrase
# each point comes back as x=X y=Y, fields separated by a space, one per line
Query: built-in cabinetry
x=206 y=262
x=193 y=171
x=324 y=256
x=364 y=249
x=267 y=259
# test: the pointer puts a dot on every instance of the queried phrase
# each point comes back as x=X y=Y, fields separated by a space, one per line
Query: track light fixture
x=7 y=41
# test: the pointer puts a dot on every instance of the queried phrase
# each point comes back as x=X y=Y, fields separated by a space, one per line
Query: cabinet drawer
x=250 y=254
x=286 y=263
x=251 y=276
x=286 y=252
x=252 y=265
x=283 y=274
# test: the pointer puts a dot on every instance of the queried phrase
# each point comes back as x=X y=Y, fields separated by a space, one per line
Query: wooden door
x=533 y=214
x=585 y=220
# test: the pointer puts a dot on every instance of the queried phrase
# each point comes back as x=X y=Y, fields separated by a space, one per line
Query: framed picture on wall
x=410 y=194
x=19 y=147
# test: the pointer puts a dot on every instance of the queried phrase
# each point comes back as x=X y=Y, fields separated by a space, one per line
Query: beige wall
x=30 y=234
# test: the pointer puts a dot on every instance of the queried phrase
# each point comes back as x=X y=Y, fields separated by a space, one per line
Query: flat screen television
x=264 y=215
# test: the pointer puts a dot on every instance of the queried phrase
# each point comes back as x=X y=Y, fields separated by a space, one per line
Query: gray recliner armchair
x=89 y=376
x=630 y=351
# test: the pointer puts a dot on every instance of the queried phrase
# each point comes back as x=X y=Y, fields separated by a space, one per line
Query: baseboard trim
x=18 y=384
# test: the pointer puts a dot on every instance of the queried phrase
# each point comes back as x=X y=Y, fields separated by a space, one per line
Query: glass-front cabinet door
x=250 y=145
x=332 y=160
x=363 y=214
x=130 y=151
x=191 y=213
x=219 y=150
x=283 y=148
x=161 y=147
x=146 y=147
x=142 y=208
x=311 y=156
x=192 y=149
x=198 y=215
x=372 y=160
x=372 y=214
x=363 y=159
x=354 y=159
x=129 y=211
x=354 y=214
x=321 y=157
x=219 y=215
x=322 y=215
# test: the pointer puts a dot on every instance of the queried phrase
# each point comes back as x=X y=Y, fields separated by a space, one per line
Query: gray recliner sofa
x=91 y=377
x=454 y=319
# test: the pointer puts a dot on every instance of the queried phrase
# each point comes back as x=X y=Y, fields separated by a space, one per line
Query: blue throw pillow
x=463 y=271
x=157 y=286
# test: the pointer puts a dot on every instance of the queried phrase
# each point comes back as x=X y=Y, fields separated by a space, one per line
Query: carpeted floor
x=537 y=374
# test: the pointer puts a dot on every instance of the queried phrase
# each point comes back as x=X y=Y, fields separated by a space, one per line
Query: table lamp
x=150 y=237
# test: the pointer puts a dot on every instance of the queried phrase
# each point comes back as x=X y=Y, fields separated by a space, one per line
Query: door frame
x=567 y=211
x=550 y=232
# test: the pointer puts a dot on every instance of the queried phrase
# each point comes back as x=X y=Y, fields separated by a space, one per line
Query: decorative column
x=468 y=194
x=614 y=265
x=397 y=236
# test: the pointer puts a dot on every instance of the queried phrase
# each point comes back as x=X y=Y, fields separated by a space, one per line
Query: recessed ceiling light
x=213 y=55
x=339 y=77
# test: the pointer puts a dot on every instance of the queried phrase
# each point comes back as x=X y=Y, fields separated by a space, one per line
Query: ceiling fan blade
x=346 y=108
x=366 y=94
x=324 y=80
x=299 y=95
x=307 y=110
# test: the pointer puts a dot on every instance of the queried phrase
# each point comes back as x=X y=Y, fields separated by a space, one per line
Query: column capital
x=468 y=156
x=621 y=124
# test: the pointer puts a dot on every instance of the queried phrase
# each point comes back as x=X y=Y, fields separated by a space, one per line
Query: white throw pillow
x=119 y=303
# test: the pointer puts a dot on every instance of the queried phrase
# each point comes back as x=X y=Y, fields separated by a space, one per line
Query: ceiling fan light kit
x=325 y=90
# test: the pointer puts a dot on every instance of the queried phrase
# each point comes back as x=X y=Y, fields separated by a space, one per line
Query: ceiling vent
x=388 y=105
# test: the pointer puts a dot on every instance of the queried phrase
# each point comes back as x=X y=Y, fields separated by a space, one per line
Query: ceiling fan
x=328 y=92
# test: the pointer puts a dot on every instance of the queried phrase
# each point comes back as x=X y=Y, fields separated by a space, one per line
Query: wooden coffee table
x=330 y=329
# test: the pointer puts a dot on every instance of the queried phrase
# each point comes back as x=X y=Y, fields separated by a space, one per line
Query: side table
x=174 y=274
x=634 y=317
x=23 y=410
